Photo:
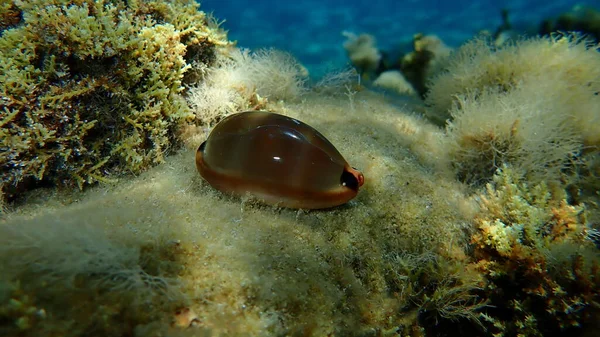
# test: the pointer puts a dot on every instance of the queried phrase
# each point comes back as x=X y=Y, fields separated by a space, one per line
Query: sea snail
x=278 y=160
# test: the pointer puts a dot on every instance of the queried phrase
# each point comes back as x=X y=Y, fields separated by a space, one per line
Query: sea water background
x=312 y=29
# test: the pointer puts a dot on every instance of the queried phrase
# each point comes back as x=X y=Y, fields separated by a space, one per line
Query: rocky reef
x=478 y=217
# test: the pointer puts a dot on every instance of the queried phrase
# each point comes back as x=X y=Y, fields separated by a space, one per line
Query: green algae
x=91 y=89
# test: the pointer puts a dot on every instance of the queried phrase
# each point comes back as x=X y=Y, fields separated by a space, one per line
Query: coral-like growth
x=531 y=104
x=429 y=51
x=272 y=73
x=246 y=80
x=363 y=52
x=94 y=87
x=522 y=128
x=569 y=63
x=535 y=250
x=394 y=81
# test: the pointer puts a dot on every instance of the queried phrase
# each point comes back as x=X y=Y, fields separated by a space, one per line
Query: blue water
x=312 y=29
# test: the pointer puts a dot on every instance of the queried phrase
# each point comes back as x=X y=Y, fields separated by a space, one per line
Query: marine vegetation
x=538 y=256
x=245 y=80
x=521 y=121
x=478 y=217
x=406 y=74
x=531 y=104
x=91 y=89
x=581 y=18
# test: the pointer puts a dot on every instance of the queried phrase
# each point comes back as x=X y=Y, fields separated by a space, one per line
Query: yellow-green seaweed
x=537 y=254
x=94 y=88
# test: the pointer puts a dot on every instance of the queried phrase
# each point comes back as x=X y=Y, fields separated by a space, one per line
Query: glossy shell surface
x=278 y=160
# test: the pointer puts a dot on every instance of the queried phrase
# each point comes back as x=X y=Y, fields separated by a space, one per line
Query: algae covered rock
x=539 y=259
x=530 y=103
x=92 y=88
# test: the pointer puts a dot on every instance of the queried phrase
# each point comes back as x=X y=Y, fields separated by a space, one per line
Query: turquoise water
x=312 y=29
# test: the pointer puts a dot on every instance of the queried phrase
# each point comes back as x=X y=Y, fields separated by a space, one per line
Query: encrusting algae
x=91 y=88
x=540 y=247
x=458 y=231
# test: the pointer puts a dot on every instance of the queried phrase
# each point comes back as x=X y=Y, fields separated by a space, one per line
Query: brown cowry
x=278 y=160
